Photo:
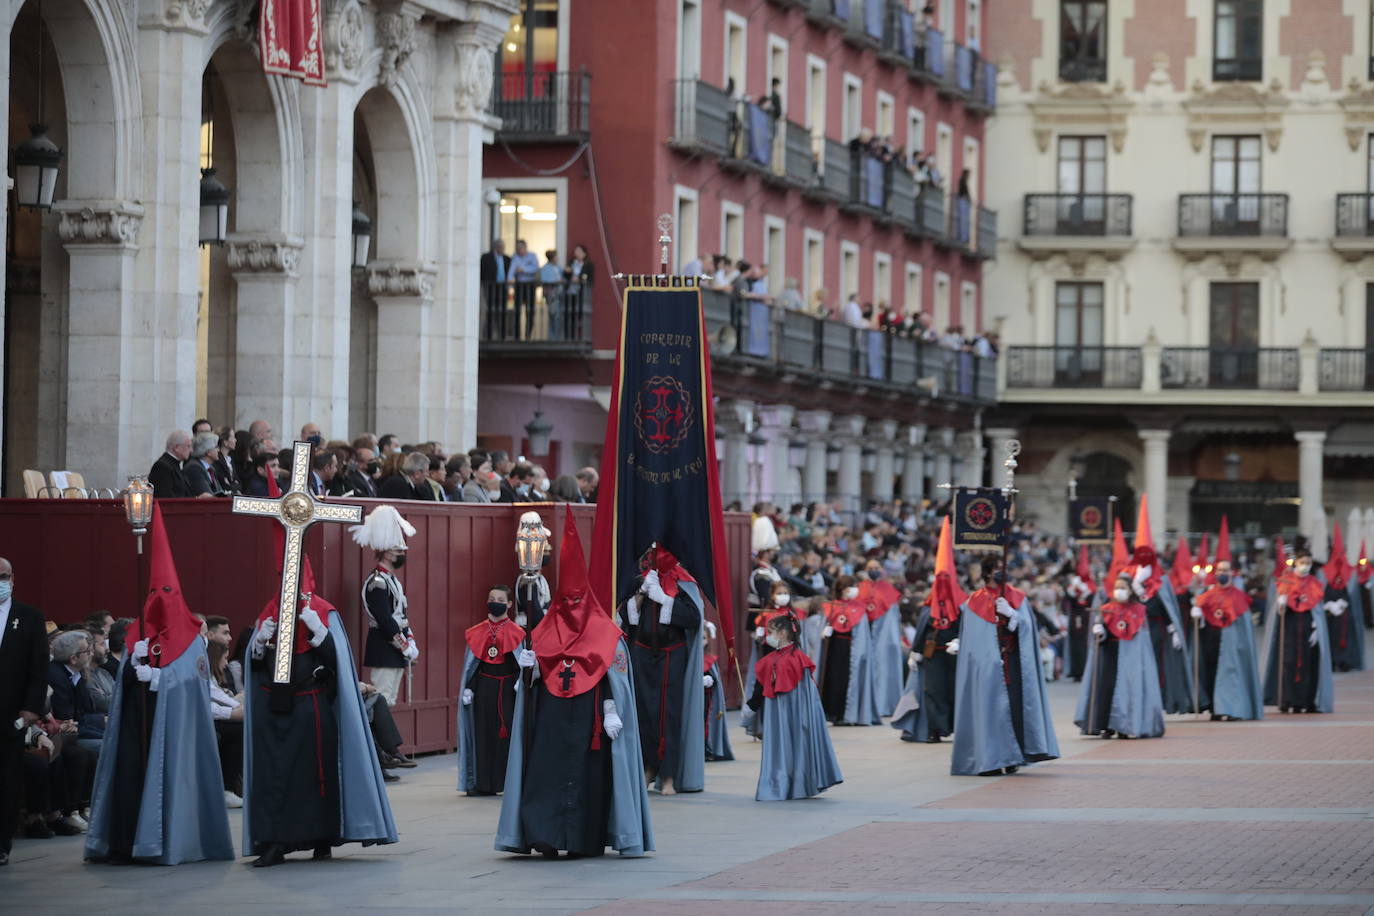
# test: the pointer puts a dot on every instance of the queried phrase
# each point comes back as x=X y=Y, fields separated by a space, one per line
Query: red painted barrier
x=72 y=557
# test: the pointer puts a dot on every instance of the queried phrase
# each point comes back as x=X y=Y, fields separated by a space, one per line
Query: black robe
x=1209 y=652
x=139 y=706
x=658 y=657
x=1080 y=623
x=938 y=673
x=1173 y=674
x=1345 y=652
x=835 y=675
x=1103 y=687
x=566 y=800
x=1297 y=674
x=493 y=710
x=295 y=800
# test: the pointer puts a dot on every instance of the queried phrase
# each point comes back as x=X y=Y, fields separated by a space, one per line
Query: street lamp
x=214 y=209
x=1232 y=465
x=138 y=507
x=37 y=160
x=1076 y=467
x=539 y=429
x=493 y=198
x=362 y=235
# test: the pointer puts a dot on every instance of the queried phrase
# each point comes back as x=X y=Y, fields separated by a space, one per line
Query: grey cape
x=181 y=816
x=717 y=728
x=888 y=662
x=1137 y=709
x=1236 y=691
x=1326 y=688
x=798 y=759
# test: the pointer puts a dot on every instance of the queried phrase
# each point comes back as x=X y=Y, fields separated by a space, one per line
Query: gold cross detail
x=297 y=510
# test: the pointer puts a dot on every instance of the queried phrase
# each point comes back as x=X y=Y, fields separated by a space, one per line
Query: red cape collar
x=843 y=616
x=1302 y=595
x=1123 y=621
x=984 y=601
x=1222 y=605
x=503 y=637
x=877 y=597
x=1151 y=585
x=781 y=671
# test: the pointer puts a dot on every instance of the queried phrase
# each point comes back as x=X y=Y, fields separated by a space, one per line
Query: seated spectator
x=200 y=469
x=166 y=475
x=437 y=475
x=226 y=470
x=516 y=486
x=264 y=465
x=411 y=480
x=99 y=678
x=475 y=490
x=457 y=472
x=226 y=708
x=71 y=693
x=565 y=490
x=588 y=479
x=58 y=774
x=324 y=467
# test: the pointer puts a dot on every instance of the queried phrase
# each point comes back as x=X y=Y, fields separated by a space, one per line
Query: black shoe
x=64 y=829
x=933 y=739
x=390 y=777
x=386 y=760
x=1283 y=709
x=323 y=851
x=37 y=830
x=1010 y=770
x=272 y=855
x=545 y=850
x=4 y=859
x=401 y=760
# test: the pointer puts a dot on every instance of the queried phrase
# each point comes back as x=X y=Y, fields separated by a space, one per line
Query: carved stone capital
x=176 y=15
x=98 y=222
x=343 y=38
x=398 y=278
x=258 y=255
x=475 y=45
x=396 y=37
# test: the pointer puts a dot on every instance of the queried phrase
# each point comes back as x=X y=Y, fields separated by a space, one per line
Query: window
x=1083 y=41
x=731 y=230
x=1236 y=165
x=849 y=271
x=885 y=126
x=736 y=32
x=1234 y=323
x=915 y=130
x=1238 y=41
x=1081 y=208
x=971 y=19
x=912 y=293
x=1077 y=333
x=1369 y=167
x=689 y=40
x=882 y=281
x=968 y=308
x=777 y=67
x=688 y=225
x=813 y=265
x=775 y=252
x=853 y=107
x=946 y=21
x=944 y=151
x=942 y=318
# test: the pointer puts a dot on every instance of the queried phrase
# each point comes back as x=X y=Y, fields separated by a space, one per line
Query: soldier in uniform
x=391 y=646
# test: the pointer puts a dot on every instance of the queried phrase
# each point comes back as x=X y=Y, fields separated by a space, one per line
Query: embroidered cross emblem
x=491 y=652
x=566 y=675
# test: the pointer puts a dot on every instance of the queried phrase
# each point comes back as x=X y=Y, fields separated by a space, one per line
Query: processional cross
x=296 y=510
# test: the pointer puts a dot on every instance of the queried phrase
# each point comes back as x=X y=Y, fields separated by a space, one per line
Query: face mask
x=999 y=577
x=497 y=608
x=850 y=593
x=399 y=561
x=772 y=640
x=782 y=599
x=315 y=440
x=1303 y=569
x=374 y=468
x=1121 y=594
x=6 y=588
x=523 y=489
x=1223 y=578
x=874 y=574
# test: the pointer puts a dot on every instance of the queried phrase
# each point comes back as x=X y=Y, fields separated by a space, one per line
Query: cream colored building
x=1184 y=290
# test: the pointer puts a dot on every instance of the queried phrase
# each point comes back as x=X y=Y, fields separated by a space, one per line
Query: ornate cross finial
x=665 y=240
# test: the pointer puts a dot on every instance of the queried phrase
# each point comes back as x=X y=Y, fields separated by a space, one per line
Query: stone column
x=996 y=452
x=109 y=370
x=914 y=472
x=264 y=271
x=1156 y=443
x=404 y=295
x=944 y=439
x=815 y=424
x=775 y=424
x=849 y=430
x=884 y=433
x=969 y=447
x=1311 y=514
x=735 y=419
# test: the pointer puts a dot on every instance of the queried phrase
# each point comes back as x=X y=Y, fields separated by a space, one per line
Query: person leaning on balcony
x=819 y=307
x=579 y=275
x=772 y=102
x=494 y=273
x=852 y=313
x=790 y=298
x=551 y=276
x=524 y=267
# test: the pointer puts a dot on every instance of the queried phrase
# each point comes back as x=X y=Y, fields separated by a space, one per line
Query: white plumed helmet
x=383 y=529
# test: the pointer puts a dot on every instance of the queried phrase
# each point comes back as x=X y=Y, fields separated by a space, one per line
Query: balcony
x=543 y=107
x=834 y=13
x=701 y=122
x=1074 y=367
x=865 y=25
x=1354 y=226
x=536 y=319
x=929 y=61
x=1259 y=368
x=833 y=170
x=867 y=184
x=749 y=138
x=930 y=213
x=1060 y=223
x=807 y=351
x=1345 y=369
x=1221 y=223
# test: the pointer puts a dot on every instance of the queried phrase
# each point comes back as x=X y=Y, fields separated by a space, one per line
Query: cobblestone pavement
x=1273 y=817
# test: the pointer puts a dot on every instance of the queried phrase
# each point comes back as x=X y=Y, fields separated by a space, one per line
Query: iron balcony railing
x=796 y=344
x=1354 y=215
x=1082 y=70
x=536 y=315
x=930 y=54
x=864 y=24
x=703 y=116
x=1074 y=367
x=985 y=241
x=1077 y=215
x=1265 y=368
x=834 y=169
x=1201 y=215
x=543 y=106
x=1345 y=369
x=930 y=213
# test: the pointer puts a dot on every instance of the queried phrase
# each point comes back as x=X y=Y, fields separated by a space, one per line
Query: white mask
x=1302 y=569
x=1121 y=594
x=772 y=640
x=782 y=599
x=850 y=593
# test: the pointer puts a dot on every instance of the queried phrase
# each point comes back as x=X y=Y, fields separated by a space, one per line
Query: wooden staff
x=1278 y=660
x=1096 y=647
x=1197 y=648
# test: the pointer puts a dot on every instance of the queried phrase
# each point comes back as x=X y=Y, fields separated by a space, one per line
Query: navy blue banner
x=981 y=519
x=1090 y=520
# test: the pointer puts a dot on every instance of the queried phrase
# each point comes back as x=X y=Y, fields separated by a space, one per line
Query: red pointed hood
x=1085 y=569
x=1144 y=552
x=945 y=595
x=1223 y=543
x=1202 y=553
x=1182 y=572
x=1338 y=568
x=1119 y=555
x=1281 y=567
x=670 y=571
x=166 y=623
x=1362 y=568
x=576 y=634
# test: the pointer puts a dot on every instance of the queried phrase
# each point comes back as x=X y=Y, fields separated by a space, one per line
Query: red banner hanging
x=290 y=34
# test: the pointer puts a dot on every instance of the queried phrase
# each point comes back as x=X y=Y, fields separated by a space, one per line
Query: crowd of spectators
x=528 y=300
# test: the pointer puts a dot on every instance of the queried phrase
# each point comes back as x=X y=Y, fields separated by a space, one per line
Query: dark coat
x=168 y=479
x=198 y=478
x=74 y=701
x=398 y=486
x=487 y=267
x=23 y=665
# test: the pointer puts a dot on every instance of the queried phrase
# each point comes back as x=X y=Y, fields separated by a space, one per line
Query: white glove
x=1141 y=574
x=707 y=681
x=665 y=613
x=1336 y=608
x=1195 y=612
x=1099 y=630
x=912 y=661
x=654 y=590
x=141 y=649
x=411 y=652
x=525 y=658
x=1139 y=588
x=318 y=631
x=1175 y=638
x=467 y=696
x=759 y=633
x=149 y=676
x=1005 y=609
x=266 y=632
x=632 y=611
x=952 y=648
x=650 y=581
x=1013 y=623
x=610 y=721
x=828 y=632
x=1312 y=640
x=710 y=629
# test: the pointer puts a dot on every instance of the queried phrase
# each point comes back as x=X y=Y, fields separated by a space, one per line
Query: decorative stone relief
x=113 y=224
x=1235 y=108
x=473 y=93
x=1358 y=105
x=396 y=38
x=1081 y=106
x=396 y=279
x=264 y=256
x=343 y=29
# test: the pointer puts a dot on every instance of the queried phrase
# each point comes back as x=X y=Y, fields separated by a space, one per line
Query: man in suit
x=263 y=465
x=516 y=486
x=494 y=274
x=202 y=470
x=71 y=692
x=23 y=693
x=166 y=475
x=324 y=466
x=356 y=478
x=412 y=482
